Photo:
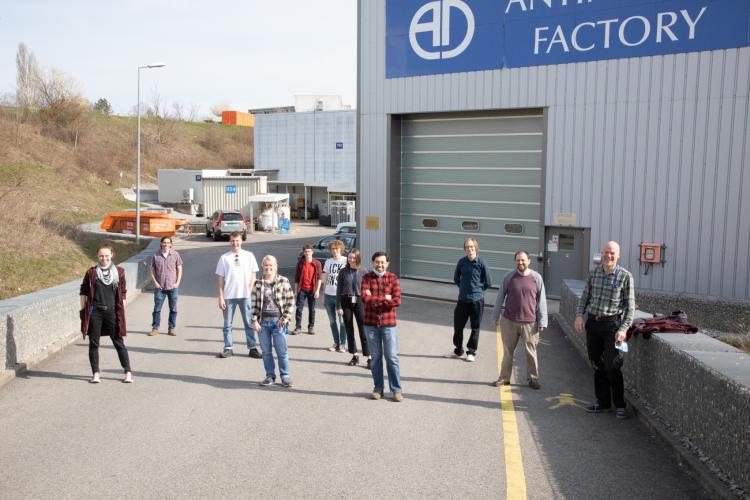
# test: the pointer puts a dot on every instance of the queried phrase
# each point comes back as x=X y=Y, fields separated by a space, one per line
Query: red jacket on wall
x=87 y=290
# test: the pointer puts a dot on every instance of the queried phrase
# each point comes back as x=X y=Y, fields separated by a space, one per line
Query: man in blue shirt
x=473 y=277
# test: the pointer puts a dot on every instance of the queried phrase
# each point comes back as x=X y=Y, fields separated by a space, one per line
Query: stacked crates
x=342 y=211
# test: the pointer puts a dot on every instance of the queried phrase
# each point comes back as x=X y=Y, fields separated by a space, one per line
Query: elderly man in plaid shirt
x=381 y=294
x=609 y=300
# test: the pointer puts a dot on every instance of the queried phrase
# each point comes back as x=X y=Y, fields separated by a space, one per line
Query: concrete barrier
x=39 y=324
x=693 y=390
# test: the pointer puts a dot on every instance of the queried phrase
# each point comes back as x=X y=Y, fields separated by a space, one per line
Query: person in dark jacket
x=102 y=296
x=473 y=277
x=349 y=304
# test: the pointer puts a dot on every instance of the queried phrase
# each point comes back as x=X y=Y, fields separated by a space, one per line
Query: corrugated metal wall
x=644 y=149
x=217 y=196
x=303 y=147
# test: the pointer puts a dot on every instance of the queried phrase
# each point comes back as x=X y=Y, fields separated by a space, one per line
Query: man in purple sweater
x=523 y=304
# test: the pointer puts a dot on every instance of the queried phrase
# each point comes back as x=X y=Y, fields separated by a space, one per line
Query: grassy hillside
x=49 y=185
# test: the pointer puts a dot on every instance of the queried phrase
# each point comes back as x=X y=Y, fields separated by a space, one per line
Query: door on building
x=470 y=175
x=566 y=254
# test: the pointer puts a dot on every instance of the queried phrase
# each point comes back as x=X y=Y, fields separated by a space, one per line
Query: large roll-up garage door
x=470 y=175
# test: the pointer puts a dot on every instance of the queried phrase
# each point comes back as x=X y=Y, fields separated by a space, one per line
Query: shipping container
x=237 y=118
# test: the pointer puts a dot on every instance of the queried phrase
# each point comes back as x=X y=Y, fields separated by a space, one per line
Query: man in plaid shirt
x=609 y=300
x=381 y=294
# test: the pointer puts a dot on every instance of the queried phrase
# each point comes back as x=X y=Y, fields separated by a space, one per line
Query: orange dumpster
x=153 y=223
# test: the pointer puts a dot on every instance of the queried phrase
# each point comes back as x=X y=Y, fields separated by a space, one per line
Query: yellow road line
x=515 y=479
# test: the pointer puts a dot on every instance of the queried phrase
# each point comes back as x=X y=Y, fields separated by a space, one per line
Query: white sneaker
x=470 y=358
x=128 y=379
x=96 y=378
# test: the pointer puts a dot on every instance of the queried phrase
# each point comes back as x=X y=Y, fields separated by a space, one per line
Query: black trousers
x=302 y=297
x=607 y=361
x=467 y=311
x=103 y=323
x=356 y=310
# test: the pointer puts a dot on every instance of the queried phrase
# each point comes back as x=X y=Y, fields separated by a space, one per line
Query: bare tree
x=160 y=123
x=217 y=108
x=49 y=96
x=26 y=75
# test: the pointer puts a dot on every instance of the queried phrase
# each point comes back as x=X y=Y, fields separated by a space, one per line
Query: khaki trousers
x=511 y=332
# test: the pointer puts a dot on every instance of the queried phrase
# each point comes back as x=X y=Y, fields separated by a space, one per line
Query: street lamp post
x=138 y=157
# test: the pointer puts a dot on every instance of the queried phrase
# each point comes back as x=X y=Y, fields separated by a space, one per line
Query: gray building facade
x=557 y=156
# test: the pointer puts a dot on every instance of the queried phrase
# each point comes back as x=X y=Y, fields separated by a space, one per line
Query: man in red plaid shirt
x=381 y=294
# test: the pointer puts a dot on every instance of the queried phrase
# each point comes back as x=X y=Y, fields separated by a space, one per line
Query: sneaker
x=296 y=331
x=453 y=355
x=287 y=382
x=334 y=348
x=621 y=413
x=267 y=381
x=310 y=330
x=470 y=358
x=397 y=397
x=342 y=348
x=128 y=379
x=255 y=353
x=96 y=378
x=369 y=363
x=534 y=384
x=354 y=361
x=597 y=408
x=172 y=333
x=376 y=394
x=153 y=333
x=500 y=382
x=226 y=353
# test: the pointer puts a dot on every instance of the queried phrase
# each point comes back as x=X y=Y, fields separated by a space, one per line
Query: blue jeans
x=383 y=341
x=244 y=305
x=159 y=296
x=302 y=297
x=270 y=332
x=337 y=322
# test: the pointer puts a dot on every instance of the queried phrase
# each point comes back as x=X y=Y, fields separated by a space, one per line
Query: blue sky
x=246 y=53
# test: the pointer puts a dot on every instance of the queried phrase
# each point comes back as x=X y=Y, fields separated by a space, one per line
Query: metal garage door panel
x=506 y=245
x=529 y=177
x=469 y=209
x=469 y=177
x=449 y=256
x=463 y=160
x=473 y=126
x=517 y=194
x=485 y=226
x=522 y=143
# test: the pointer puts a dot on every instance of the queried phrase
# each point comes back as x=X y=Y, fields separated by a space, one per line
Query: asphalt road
x=196 y=426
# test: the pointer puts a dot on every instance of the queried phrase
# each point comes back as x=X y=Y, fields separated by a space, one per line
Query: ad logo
x=440 y=27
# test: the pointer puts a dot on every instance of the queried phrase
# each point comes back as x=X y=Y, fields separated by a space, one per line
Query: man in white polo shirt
x=236 y=271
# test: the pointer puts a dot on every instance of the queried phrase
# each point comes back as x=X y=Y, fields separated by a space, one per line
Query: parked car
x=346 y=227
x=223 y=223
x=320 y=247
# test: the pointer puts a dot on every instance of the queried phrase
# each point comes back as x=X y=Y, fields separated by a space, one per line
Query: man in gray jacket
x=523 y=304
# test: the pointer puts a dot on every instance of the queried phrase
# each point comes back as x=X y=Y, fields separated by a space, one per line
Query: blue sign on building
x=230 y=188
x=426 y=37
x=198 y=177
x=339 y=145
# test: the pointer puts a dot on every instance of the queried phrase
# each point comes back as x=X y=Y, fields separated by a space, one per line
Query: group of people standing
x=369 y=298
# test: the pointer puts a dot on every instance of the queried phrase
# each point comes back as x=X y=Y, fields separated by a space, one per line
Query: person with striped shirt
x=609 y=301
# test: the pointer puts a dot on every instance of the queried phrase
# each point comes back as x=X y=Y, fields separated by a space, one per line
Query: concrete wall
x=691 y=386
x=36 y=325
